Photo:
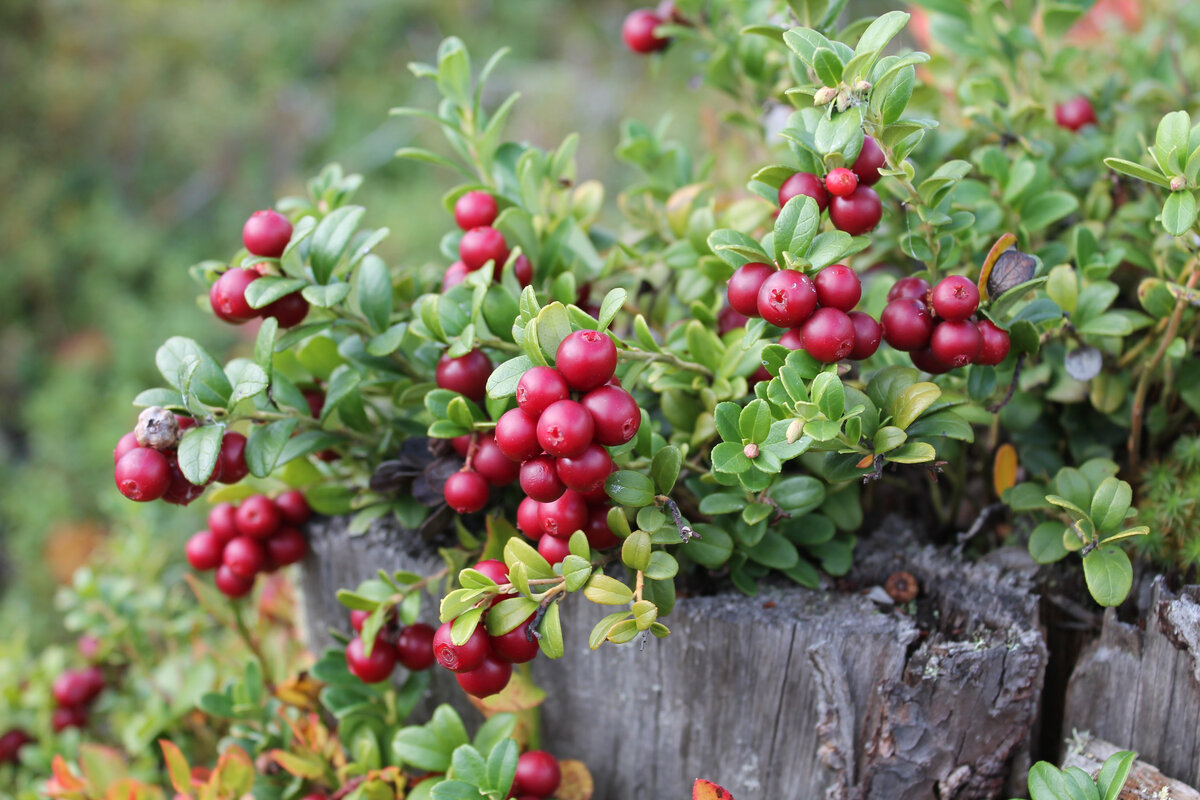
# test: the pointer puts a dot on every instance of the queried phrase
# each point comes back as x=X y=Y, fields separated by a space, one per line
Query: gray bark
x=1145 y=782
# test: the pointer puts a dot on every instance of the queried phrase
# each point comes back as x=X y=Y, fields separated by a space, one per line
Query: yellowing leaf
x=576 y=781
x=300 y=691
x=1003 y=243
x=1004 y=468
x=707 y=790
x=177 y=767
x=304 y=766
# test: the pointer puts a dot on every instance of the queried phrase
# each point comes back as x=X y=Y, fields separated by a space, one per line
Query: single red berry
x=143 y=474
x=289 y=310
x=315 y=398
x=475 y=210
x=467 y=375
x=616 y=416
x=599 y=494
x=539 y=479
x=228 y=295
x=638 y=32
x=955 y=297
x=956 y=342
x=563 y=516
x=912 y=286
x=460 y=657
x=373 y=668
x=71 y=688
x=867 y=333
x=838 y=287
x=540 y=387
x=204 y=551
x=222 y=521
x=461 y=444
x=565 y=429
x=257 y=517
x=599 y=535
x=528 y=522
x=743 y=287
x=906 y=324
x=516 y=646
x=924 y=359
x=245 y=557
x=523 y=270
x=124 y=445
x=586 y=359
x=267 y=233
x=93 y=677
x=357 y=617
x=729 y=319
x=491 y=463
x=758 y=376
x=287 y=546
x=11 y=743
x=231 y=461
x=787 y=298
x=995 y=343
x=537 y=774
x=231 y=585
x=1075 y=113
x=494 y=568
x=414 y=647
x=455 y=274
x=870 y=160
x=293 y=507
x=554 y=549
x=481 y=245
x=181 y=491
x=841 y=182
x=807 y=184
x=63 y=718
x=857 y=213
x=793 y=339
x=516 y=435
x=828 y=335
x=466 y=492
x=487 y=679
x=587 y=470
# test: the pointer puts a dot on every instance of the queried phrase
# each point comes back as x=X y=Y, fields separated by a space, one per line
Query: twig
x=248 y=638
x=976 y=526
x=685 y=531
x=1012 y=386
x=668 y=358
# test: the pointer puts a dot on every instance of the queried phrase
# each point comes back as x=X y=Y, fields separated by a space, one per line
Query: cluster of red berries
x=11 y=743
x=936 y=326
x=146 y=464
x=854 y=207
x=475 y=212
x=257 y=535
x=74 y=690
x=265 y=234
x=638 y=30
x=410 y=646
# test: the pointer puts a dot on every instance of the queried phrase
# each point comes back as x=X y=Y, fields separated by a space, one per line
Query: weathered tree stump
x=1140 y=688
x=1145 y=782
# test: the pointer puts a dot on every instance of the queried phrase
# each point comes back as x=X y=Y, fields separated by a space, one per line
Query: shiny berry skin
x=373 y=668
x=181 y=491
x=516 y=435
x=857 y=213
x=638 y=32
x=228 y=296
x=231 y=461
x=867 y=334
x=515 y=647
x=807 y=184
x=63 y=718
x=743 y=287
x=586 y=359
x=955 y=297
x=494 y=568
x=906 y=324
x=245 y=557
x=539 y=479
x=257 y=517
x=527 y=519
x=72 y=688
x=143 y=474
x=293 y=507
x=599 y=535
x=455 y=274
x=487 y=679
x=461 y=444
x=587 y=470
x=563 y=516
x=460 y=657
x=537 y=774
x=95 y=682
x=287 y=546
x=539 y=388
x=475 y=210
x=730 y=319
x=203 y=551
x=491 y=463
x=1075 y=113
x=870 y=160
x=554 y=549
x=995 y=343
x=828 y=335
x=267 y=233
x=838 y=287
x=466 y=375
x=124 y=445
x=841 y=182
x=11 y=743
x=289 y=310
x=523 y=270
x=481 y=245
x=925 y=360
x=793 y=339
x=911 y=286
x=616 y=416
x=231 y=585
x=414 y=647
x=357 y=618
x=956 y=342
x=787 y=298
x=222 y=521
x=466 y=492
x=565 y=429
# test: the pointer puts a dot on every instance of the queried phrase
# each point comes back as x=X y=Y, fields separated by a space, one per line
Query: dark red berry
x=287 y=546
x=955 y=297
x=870 y=160
x=587 y=470
x=924 y=359
x=257 y=517
x=414 y=647
x=475 y=210
x=293 y=507
x=515 y=646
x=357 y=617
x=565 y=429
x=231 y=461
x=828 y=335
x=231 y=585
x=71 y=688
x=143 y=474
x=540 y=387
x=744 y=285
x=516 y=435
x=563 y=516
x=245 y=557
x=956 y=342
x=466 y=375
x=912 y=286
x=93 y=677
x=995 y=344
x=181 y=491
x=537 y=774
x=493 y=568
x=841 y=182
x=793 y=339
x=528 y=522
x=466 y=492
x=906 y=324
x=867 y=333
x=838 y=287
x=807 y=184
x=787 y=298
x=455 y=274
x=316 y=402
x=289 y=310
x=222 y=521
x=124 y=445
x=462 y=444
x=63 y=718
x=1075 y=113
x=857 y=213
x=729 y=319
x=203 y=551
x=460 y=657
x=638 y=32
x=481 y=245
x=586 y=359
x=267 y=233
x=228 y=296
x=554 y=549
x=373 y=668
x=492 y=464
x=616 y=416
x=11 y=743
x=599 y=535
x=758 y=376
x=539 y=479
x=523 y=270
x=487 y=679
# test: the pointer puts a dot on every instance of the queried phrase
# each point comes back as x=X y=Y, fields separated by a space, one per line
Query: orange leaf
x=1004 y=468
x=576 y=781
x=300 y=692
x=65 y=779
x=1003 y=243
x=707 y=790
x=177 y=767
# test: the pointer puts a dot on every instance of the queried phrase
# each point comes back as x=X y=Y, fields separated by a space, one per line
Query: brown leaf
x=576 y=781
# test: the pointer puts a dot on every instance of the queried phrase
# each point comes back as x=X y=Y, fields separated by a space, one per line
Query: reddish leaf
x=707 y=790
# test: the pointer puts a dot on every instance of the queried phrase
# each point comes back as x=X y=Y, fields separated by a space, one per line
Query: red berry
x=838 y=287
x=93 y=677
x=475 y=210
x=565 y=429
x=466 y=492
x=228 y=295
x=289 y=310
x=71 y=688
x=956 y=342
x=729 y=319
x=287 y=546
x=222 y=521
x=460 y=657
x=491 y=463
x=466 y=375
x=995 y=344
x=759 y=375
x=487 y=679
x=181 y=491
x=414 y=647
x=523 y=270
x=245 y=557
x=955 y=297
x=563 y=516
x=204 y=551
x=11 y=743
x=373 y=668
x=912 y=286
x=870 y=160
x=554 y=549
x=124 y=445
x=599 y=535
x=587 y=470
x=616 y=416
x=267 y=233
x=793 y=339
x=493 y=568
x=540 y=387
x=231 y=585
x=357 y=618
x=63 y=718
x=744 y=285
x=638 y=32
x=516 y=435
x=828 y=335
x=867 y=333
x=231 y=461
x=143 y=474
x=924 y=359
x=906 y=324
x=807 y=184
x=537 y=774
x=481 y=245
x=586 y=359
x=528 y=522
x=515 y=646
x=461 y=444
x=455 y=274
x=316 y=402
x=841 y=182
x=787 y=298
x=1075 y=113
x=293 y=507
x=257 y=517
x=857 y=213
x=539 y=479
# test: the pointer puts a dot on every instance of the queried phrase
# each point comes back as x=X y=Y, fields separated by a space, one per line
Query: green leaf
x=508 y=614
x=1110 y=504
x=664 y=468
x=912 y=453
x=773 y=551
x=1046 y=782
x=912 y=402
x=330 y=239
x=881 y=31
x=711 y=551
x=167 y=398
x=551 y=643
x=1047 y=208
x=454 y=71
x=888 y=438
x=553 y=325
x=727 y=418
x=265 y=445
x=798 y=495
x=503 y=381
x=1109 y=575
x=1137 y=171
x=455 y=790
x=502 y=766
x=180 y=357
x=468 y=765
x=797 y=224
x=1114 y=773
x=607 y=591
x=729 y=457
x=662 y=566
x=613 y=302
x=326 y=296
x=373 y=285
x=493 y=732
x=736 y=248
x=517 y=551
x=1179 y=212
x=635 y=551
x=754 y=422
x=248 y=378
x=1171 y=142
x=421 y=748
x=1046 y=543
x=630 y=488
x=267 y=289
x=600 y=632
x=198 y=452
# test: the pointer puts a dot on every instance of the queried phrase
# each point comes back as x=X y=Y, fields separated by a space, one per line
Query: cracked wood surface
x=1145 y=781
